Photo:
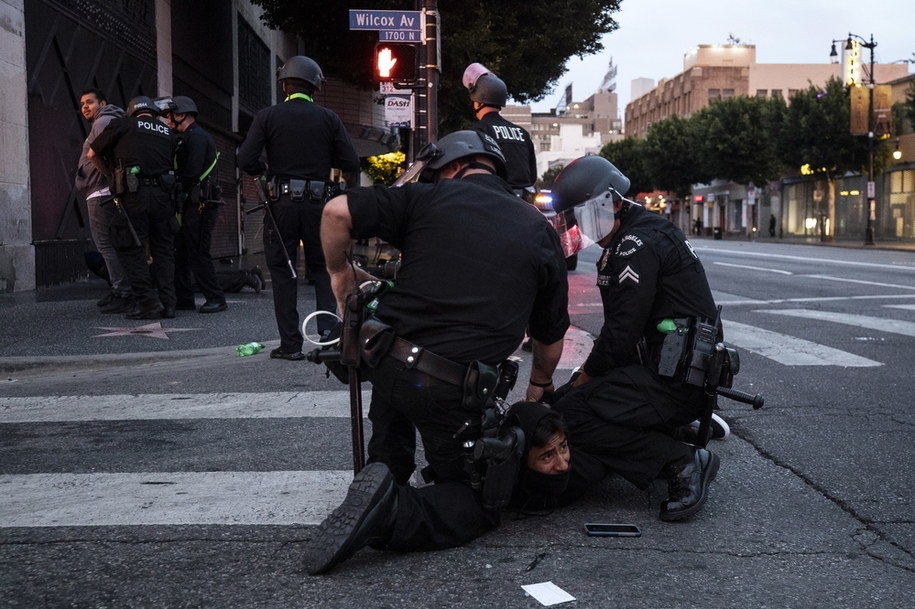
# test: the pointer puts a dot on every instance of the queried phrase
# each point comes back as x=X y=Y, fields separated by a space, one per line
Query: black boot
x=365 y=517
x=688 y=484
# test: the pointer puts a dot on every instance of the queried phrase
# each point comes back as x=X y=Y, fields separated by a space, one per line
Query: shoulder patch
x=628 y=245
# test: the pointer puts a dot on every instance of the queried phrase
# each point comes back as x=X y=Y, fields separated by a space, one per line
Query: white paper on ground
x=548 y=593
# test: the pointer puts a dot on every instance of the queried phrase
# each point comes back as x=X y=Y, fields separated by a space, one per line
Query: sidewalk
x=62 y=327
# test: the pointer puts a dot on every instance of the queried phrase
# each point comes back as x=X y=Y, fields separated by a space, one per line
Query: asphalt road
x=192 y=478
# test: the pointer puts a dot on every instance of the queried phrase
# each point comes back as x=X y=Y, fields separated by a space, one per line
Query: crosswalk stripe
x=291 y=404
x=893 y=326
x=907 y=307
x=789 y=350
x=171 y=498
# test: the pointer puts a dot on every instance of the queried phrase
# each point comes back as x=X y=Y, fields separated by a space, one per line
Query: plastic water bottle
x=248 y=349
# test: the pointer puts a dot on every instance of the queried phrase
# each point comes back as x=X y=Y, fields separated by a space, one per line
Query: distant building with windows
x=576 y=129
x=713 y=72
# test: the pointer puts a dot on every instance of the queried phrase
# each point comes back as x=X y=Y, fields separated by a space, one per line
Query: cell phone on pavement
x=607 y=529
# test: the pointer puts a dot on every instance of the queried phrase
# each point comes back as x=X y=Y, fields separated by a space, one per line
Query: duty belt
x=418 y=358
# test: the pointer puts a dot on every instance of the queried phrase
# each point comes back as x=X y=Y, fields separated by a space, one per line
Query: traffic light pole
x=432 y=69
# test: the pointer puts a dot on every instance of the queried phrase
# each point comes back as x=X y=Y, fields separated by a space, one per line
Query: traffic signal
x=395 y=61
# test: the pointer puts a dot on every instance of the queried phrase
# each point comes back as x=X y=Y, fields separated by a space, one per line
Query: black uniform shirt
x=648 y=273
x=516 y=145
x=467 y=288
x=195 y=154
x=141 y=141
x=302 y=140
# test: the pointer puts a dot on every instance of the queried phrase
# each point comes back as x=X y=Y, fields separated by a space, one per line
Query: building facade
x=574 y=130
x=712 y=72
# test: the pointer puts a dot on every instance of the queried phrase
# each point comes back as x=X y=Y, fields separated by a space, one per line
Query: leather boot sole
x=349 y=527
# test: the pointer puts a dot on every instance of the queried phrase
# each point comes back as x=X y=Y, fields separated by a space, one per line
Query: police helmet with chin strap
x=141 y=104
x=182 y=104
x=489 y=90
x=304 y=68
x=588 y=188
x=457 y=145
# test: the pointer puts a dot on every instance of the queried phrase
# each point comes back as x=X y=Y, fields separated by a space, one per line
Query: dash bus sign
x=364 y=19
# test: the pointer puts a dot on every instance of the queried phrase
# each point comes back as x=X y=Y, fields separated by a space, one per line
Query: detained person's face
x=551 y=459
x=89 y=105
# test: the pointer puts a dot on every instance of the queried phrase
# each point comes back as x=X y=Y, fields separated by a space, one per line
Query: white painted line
x=47 y=409
x=860 y=281
x=789 y=350
x=730 y=300
x=878 y=265
x=754 y=268
x=171 y=498
x=907 y=307
x=893 y=326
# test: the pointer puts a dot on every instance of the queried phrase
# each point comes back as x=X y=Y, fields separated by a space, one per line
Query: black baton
x=279 y=235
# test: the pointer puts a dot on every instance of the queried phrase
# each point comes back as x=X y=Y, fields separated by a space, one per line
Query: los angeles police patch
x=628 y=245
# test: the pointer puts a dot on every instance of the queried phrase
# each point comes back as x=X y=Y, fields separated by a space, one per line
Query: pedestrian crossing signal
x=395 y=62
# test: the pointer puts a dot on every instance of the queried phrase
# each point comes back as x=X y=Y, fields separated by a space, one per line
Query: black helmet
x=141 y=104
x=460 y=144
x=586 y=178
x=183 y=104
x=489 y=89
x=302 y=68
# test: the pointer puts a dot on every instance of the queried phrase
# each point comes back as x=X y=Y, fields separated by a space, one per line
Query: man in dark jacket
x=142 y=150
x=624 y=407
x=93 y=185
x=195 y=163
x=489 y=95
x=302 y=142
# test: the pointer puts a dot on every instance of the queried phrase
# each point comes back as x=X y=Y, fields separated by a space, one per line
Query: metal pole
x=432 y=69
x=871 y=186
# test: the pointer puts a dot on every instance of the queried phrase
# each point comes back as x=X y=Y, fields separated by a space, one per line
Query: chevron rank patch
x=628 y=245
x=628 y=273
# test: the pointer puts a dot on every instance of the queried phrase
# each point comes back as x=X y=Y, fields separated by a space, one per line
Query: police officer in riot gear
x=195 y=163
x=302 y=142
x=489 y=95
x=453 y=320
x=141 y=149
x=621 y=409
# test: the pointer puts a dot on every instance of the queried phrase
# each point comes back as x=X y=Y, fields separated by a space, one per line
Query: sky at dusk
x=653 y=35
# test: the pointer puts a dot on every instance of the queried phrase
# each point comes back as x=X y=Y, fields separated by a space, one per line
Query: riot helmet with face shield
x=586 y=195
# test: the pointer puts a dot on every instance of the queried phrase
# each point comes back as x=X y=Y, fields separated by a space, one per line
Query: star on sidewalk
x=153 y=330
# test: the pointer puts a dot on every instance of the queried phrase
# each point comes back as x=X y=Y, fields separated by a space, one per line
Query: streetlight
x=871 y=190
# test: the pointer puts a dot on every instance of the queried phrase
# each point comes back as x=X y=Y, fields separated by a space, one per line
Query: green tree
x=546 y=180
x=525 y=43
x=628 y=155
x=673 y=156
x=817 y=135
x=739 y=139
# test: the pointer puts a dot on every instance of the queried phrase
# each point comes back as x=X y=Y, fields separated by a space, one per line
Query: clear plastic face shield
x=414 y=172
x=587 y=223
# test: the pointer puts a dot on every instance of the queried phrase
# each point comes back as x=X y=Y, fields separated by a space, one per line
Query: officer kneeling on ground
x=628 y=403
x=453 y=320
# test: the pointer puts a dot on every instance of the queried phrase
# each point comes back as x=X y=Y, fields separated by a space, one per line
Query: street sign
x=363 y=19
x=399 y=36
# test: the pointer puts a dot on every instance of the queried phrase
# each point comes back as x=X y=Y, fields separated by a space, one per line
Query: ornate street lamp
x=850 y=43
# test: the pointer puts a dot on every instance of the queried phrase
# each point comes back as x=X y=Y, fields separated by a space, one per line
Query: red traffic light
x=395 y=62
